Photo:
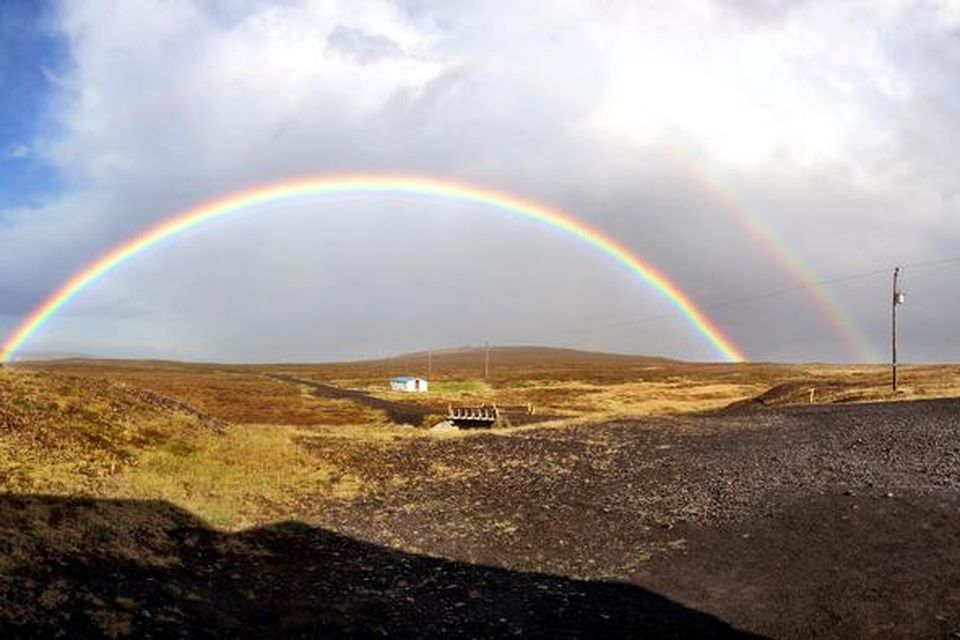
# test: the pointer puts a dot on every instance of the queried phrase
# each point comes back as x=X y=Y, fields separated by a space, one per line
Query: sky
x=745 y=148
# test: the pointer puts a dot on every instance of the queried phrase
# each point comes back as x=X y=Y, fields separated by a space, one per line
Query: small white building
x=408 y=383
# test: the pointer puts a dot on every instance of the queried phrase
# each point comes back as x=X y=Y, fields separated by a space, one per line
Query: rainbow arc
x=750 y=220
x=360 y=185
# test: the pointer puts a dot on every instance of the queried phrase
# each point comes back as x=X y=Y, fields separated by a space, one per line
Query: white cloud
x=833 y=122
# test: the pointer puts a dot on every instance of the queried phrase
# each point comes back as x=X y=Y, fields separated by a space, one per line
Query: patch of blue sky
x=31 y=52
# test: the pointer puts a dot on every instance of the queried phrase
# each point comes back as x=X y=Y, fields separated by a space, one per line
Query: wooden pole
x=429 y=364
x=893 y=328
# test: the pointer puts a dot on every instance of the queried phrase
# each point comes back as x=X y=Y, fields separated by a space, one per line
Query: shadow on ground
x=85 y=567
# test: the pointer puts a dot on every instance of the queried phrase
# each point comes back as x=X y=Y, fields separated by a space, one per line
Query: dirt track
x=398 y=412
x=834 y=521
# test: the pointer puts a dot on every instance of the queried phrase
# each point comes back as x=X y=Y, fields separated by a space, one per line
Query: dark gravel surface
x=296 y=581
x=822 y=521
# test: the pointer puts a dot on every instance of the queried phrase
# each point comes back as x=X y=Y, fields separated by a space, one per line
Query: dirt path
x=398 y=412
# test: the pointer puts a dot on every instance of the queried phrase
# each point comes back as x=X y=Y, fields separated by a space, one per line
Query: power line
x=932 y=263
x=760 y=296
x=783 y=291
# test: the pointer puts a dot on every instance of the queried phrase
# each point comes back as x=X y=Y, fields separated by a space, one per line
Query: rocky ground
x=821 y=521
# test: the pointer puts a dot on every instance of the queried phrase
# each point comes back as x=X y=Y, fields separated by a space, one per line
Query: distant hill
x=450 y=356
x=528 y=355
x=46 y=356
x=508 y=364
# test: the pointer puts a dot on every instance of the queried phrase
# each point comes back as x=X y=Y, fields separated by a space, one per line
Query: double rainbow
x=726 y=199
x=358 y=185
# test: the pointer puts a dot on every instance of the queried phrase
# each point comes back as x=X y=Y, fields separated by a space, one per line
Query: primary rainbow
x=367 y=184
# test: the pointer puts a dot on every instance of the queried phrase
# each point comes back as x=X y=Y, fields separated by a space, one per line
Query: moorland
x=276 y=500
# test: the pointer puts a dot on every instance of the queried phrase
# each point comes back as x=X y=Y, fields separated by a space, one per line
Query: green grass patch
x=461 y=386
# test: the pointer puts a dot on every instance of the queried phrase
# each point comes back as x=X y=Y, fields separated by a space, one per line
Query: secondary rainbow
x=366 y=185
x=831 y=309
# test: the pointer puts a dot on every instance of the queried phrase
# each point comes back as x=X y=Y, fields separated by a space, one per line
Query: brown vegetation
x=601 y=491
x=66 y=434
x=239 y=395
x=70 y=435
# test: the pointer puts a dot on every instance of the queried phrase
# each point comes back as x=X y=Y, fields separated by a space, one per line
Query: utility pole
x=486 y=360
x=896 y=302
x=429 y=364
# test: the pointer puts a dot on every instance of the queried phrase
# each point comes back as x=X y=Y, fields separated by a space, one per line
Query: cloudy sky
x=743 y=147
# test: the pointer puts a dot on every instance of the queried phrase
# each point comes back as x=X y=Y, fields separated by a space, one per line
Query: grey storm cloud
x=679 y=129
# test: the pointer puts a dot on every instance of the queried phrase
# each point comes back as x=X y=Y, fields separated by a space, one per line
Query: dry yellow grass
x=557 y=383
x=579 y=398
x=62 y=434
x=237 y=395
x=136 y=430
x=249 y=475
x=67 y=435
